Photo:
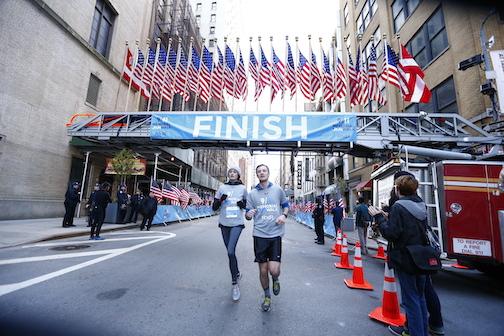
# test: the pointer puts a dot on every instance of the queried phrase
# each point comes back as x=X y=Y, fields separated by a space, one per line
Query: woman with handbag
x=406 y=233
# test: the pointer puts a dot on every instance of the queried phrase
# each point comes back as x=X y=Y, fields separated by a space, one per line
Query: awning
x=364 y=185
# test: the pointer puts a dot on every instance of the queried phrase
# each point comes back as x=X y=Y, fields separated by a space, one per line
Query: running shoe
x=436 y=331
x=398 y=331
x=99 y=238
x=266 y=305
x=276 y=287
x=238 y=276
x=236 y=292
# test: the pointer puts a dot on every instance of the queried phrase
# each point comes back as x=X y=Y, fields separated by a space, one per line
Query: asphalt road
x=175 y=281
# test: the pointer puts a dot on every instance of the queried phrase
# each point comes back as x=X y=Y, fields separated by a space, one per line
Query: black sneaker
x=398 y=331
x=266 y=305
x=276 y=287
x=436 y=331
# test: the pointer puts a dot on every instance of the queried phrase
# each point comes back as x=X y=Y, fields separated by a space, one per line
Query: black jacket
x=318 y=213
x=362 y=216
x=136 y=201
x=149 y=206
x=122 y=198
x=337 y=213
x=101 y=200
x=72 y=196
x=406 y=225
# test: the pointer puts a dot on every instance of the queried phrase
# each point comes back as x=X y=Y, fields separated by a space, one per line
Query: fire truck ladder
x=375 y=131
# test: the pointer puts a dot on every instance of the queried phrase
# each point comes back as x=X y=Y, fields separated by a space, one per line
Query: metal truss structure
x=376 y=132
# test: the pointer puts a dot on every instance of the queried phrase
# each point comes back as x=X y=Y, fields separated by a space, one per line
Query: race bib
x=232 y=212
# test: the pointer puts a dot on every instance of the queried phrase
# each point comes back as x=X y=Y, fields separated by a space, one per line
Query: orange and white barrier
x=337 y=246
x=358 y=281
x=381 y=253
x=344 y=256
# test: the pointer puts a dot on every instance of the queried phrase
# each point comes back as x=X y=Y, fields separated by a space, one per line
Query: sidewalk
x=25 y=231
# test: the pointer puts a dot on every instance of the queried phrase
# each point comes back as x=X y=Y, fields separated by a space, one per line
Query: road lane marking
x=6 y=289
x=59 y=256
x=70 y=242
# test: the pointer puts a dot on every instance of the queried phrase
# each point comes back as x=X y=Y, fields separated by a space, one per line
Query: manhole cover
x=70 y=247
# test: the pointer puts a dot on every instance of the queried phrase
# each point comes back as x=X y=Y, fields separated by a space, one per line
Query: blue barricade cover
x=174 y=213
x=306 y=219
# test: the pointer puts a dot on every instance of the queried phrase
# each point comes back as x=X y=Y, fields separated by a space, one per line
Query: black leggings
x=96 y=224
x=230 y=235
x=69 y=214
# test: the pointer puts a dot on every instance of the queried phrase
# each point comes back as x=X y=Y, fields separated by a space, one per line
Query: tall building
x=66 y=59
x=439 y=35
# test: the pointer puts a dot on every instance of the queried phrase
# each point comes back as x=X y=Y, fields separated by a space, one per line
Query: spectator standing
x=362 y=220
x=102 y=199
x=72 y=198
x=318 y=218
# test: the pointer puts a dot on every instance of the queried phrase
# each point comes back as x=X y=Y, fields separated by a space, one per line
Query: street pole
x=83 y=182
x=488 y=66
x=155 y=165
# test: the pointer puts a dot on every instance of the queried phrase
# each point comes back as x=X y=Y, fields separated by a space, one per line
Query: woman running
x=231 y=198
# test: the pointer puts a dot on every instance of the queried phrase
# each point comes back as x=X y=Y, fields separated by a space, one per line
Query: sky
x=281 y=18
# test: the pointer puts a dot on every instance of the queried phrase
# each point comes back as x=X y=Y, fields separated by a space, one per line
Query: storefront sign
x=139 y=167
x=299 y=175
x=334 y=127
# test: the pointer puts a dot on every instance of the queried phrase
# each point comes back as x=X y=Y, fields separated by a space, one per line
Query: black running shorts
x=267 y=249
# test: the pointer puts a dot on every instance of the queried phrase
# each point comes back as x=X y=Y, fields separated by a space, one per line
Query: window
x=430 y=40
x=93 y=90
x=214 y=6
x=198 y=6
x=444 y=100
x=307 y=169
x=345 y=14
x=101 y=29
x=198 y=20
x=211 y=43
x=366 y=14
x=213 y=18
x=212 y=30
x=401 y=10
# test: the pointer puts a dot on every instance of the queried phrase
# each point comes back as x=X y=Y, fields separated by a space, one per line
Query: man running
x=269 y=207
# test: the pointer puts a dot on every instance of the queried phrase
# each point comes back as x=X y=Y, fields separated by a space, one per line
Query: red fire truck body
x=472 y=212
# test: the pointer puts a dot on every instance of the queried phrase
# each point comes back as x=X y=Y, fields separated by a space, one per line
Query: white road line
x=139 y=232
x=6 y=289
x=59 y=256
x=70 y=242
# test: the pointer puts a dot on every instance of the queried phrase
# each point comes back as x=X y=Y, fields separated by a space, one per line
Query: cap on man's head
x=402 y=173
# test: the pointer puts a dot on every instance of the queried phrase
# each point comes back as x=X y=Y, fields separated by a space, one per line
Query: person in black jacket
x=90 y=203
x=102 y=199
x=148 y=210
x=362 y=221
x=318 y=217
x=407 y=225
x=337 y=213
x=122 y=203
x=72 y=198
x=136 y=202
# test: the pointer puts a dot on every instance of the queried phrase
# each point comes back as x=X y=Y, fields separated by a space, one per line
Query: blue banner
x=313 y=126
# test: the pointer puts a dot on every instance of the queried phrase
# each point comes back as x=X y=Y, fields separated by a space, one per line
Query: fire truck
x=465 y=202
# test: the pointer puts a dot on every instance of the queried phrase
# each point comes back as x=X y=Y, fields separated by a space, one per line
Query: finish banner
x=313 y=126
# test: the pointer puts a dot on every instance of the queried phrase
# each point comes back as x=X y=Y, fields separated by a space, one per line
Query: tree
x=123 y=163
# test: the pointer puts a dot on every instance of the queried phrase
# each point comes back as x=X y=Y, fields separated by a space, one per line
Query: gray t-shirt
x=230 y=213
x=269 y=203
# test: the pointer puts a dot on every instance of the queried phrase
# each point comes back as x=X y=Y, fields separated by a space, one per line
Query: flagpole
x=199 y=72
x=245 y=102
x=147 y=44
x=334 y=75
x=189 y=60
x=271 y=75
x=400 y=57
x=223 y=80
x=323 y=73
x=259 y=67
x=164 y=74
x=135 y=56
x=234 y=74
x=286 y=71
x=158 y=44
x=295 y=74
x=359 y=39
x=349 y=87
x=211 y=77
x=312 y=95
x=175 y=76
x=121 y=76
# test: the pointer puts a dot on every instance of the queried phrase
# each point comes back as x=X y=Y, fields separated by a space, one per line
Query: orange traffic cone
x=358 y=280
x=389 y=312
x=381 y=253
x=337 y=246
x=344 y=256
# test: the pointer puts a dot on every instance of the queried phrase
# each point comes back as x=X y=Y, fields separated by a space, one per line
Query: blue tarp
x=174 y=213
x=306 y=219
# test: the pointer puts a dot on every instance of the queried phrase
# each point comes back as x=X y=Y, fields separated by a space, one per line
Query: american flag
x=315 y=75
x=149 y=68
x=363 y=94
x=277 y=75
x=327 y=80
x=154 y=188
x=195 y=198
x=181 y=76
x=169 y=77
x=229 y=72
x=418 y=92
x=217 y=82
x=340 y=85
x=303 y=76
x=291 y=72
x=159 y=72
x=389 y=72
x=241 y=79
x=326 y=205
x=205 y=75
x=138 y=73
x=194 y=68
x=170 y=194
x=254 y=73
x=341 y=202
x=264 y=70
x=374 y=90
x=184 y=198
x=332 y=203
x=352 y=81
